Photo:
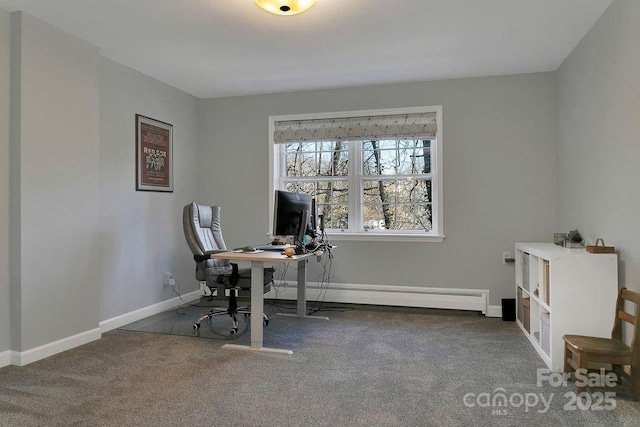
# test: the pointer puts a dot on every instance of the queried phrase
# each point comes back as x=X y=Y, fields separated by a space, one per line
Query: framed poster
x=154 y=155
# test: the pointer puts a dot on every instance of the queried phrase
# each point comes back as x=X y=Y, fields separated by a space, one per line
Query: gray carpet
x=364 y=367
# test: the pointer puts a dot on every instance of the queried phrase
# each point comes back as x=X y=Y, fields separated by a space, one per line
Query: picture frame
x=154 y=155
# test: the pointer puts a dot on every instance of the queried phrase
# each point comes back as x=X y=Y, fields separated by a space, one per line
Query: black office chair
x=201 y=224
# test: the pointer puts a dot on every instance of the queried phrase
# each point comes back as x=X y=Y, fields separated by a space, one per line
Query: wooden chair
x=580 y=351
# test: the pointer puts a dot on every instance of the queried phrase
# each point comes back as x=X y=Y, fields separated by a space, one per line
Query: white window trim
x=437 y=235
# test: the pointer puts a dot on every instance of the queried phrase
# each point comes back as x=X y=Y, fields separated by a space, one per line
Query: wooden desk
x=258 y=261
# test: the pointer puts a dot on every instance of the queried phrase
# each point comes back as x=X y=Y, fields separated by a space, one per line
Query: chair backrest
x=623 y=316
x=202 y=229
x=201 y=225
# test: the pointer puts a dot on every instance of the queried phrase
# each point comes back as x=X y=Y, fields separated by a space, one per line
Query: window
x=374 y=174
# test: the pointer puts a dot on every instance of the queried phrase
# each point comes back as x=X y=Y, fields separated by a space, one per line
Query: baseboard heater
x=403 y=296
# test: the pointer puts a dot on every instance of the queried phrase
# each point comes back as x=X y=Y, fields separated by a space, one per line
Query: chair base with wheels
x=233 y=311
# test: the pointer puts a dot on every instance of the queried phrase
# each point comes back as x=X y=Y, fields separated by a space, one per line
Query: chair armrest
x=207 y=255
x=215 y=251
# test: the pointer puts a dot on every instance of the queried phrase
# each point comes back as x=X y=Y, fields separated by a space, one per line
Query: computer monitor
x=294 y=215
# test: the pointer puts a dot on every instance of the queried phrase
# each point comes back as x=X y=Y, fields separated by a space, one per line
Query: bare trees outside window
x=396 y=185
x=395 y=181
x=321 y=170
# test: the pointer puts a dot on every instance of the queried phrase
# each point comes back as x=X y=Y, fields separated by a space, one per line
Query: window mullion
x=420 y=177
x=355 y=186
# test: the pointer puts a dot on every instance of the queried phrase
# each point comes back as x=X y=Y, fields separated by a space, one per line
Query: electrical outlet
x=506 y=256
x=167 y=279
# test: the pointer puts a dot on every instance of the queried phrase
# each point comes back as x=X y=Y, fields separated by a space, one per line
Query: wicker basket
x=600 y=248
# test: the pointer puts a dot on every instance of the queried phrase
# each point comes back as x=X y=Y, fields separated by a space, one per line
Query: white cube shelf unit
x=569 y=291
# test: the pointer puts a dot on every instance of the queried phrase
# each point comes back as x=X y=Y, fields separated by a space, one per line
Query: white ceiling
x=217 y=48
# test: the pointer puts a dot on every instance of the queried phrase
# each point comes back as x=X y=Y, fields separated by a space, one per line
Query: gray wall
x=499 y=176
x=84 y=245
x=4 y=181
x=54 y=184
x=599 y=136
x=141 y=234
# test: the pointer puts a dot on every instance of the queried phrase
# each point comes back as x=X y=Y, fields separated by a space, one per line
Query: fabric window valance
x=384 y=127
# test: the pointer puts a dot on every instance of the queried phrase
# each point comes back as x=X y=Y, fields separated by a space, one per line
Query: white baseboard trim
x=18 y=358
x=134 y=316
x=403 y=296
x=21 y=358
x=5 y=358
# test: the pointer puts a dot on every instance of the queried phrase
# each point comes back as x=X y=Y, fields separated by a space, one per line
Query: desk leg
x=301 y=309
x=302 y=288
x=257 y=304
x=257 y=309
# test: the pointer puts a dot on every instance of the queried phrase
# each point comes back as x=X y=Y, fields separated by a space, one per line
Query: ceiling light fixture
x=285 y=7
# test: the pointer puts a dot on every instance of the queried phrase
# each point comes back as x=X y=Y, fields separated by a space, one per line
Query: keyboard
x=273 y=247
